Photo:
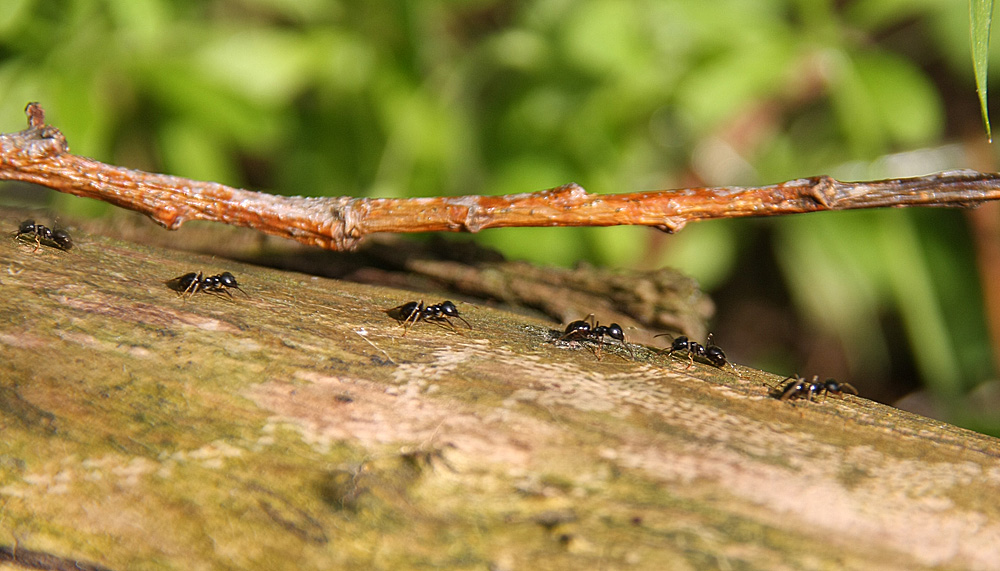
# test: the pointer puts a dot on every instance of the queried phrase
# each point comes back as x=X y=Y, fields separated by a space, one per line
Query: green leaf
x=907 y=106
x=980 y=16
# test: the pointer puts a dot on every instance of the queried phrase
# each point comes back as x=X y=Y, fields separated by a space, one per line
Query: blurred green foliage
x=434 y=97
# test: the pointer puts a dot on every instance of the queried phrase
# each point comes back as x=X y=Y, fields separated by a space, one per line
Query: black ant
x=411 y=312
x=590 y=330
x=40 y=234
x=799 y=388
x=191 y=283
x=709 y=351
x=682 y=343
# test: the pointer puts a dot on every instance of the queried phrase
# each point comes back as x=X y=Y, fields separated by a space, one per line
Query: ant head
x=614 y=331
x=579 y=326
x=227 y=279
x=680 y=344
x=448 y=308
x=26 y=227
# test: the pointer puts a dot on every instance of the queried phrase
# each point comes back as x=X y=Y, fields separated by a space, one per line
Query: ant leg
x=571 y=336
x=783 y=381
x=33 y=238
x=444 y=319
x=228 y=291
x=735 y=370
x=671 y=352
x=415 y=316
x=193 y=287
x=629 y=349
x=220 y=292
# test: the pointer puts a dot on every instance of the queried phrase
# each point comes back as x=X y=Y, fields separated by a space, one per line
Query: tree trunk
x=300 y=427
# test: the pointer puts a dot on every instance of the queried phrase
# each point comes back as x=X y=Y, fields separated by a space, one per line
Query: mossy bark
x=300 y=428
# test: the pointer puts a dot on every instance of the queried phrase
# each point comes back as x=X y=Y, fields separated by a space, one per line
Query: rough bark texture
x=299 y=429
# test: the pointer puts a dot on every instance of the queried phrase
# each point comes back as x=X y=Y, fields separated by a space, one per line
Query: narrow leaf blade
x=980 y=17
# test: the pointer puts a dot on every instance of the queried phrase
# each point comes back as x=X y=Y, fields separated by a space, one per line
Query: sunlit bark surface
x=298 y=428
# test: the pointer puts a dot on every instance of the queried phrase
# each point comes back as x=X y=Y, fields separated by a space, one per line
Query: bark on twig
x=40 y=155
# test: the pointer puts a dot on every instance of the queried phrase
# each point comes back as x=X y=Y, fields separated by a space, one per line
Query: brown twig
x=40 y=155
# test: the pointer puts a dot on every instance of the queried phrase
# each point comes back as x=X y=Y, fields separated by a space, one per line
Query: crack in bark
x=30 y=559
